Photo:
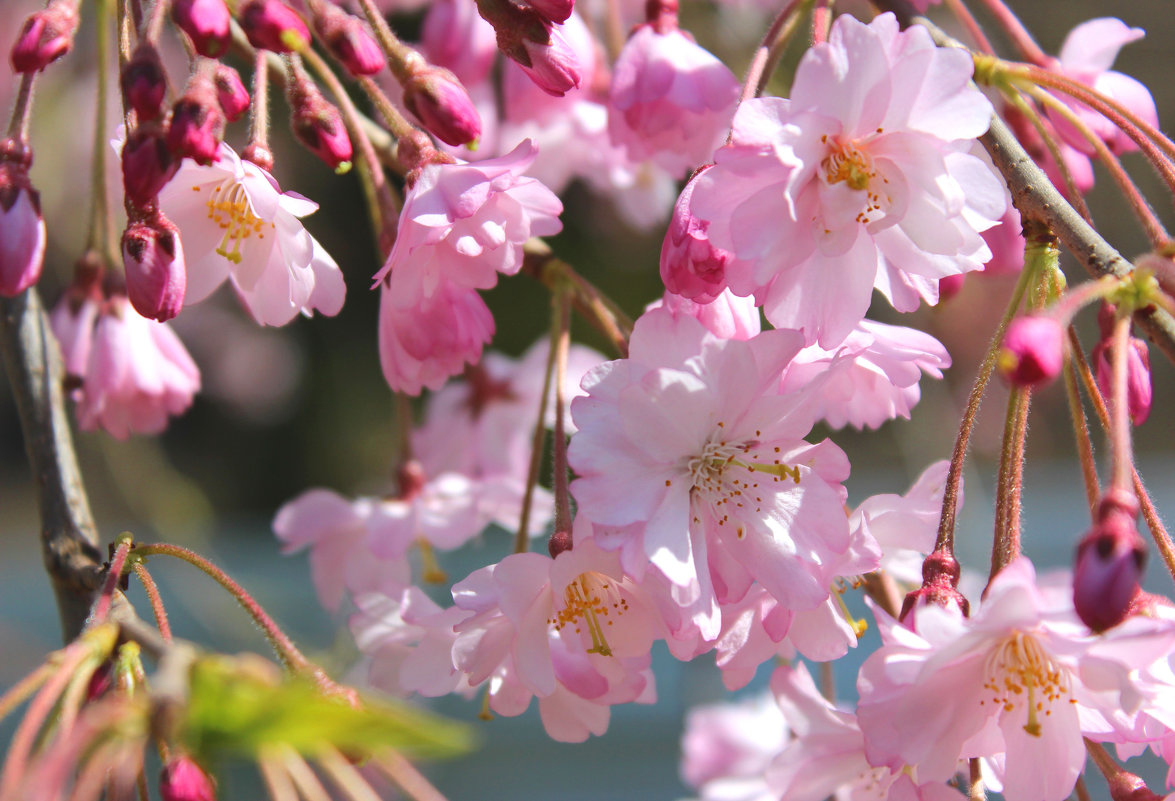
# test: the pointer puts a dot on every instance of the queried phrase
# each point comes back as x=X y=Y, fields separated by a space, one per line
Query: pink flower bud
x=940 y=582
x=550 y=10
x=440 y=102
x=347 y=38
x=206 y=22
x=691 y=266
x=147 y=164
x=155 y=275
x=231 y=93
x=22 y=229
x=1138 y=368
x=1110 y=561
x=1033 y=351
x=318 y=125
x=183 y=780
x=553 y=66
x=271 y=25
x=197 y=123
x=144 y=83
x=559 y=542
x=46 y=36
x=950 y=286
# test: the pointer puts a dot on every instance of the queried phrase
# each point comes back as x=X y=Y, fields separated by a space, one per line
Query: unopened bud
x=553 y=66
x=231 y=93
x=47 y=35
x=550 y=10
x=1033 y=351
x=1138 y=368
x=318 y=125
x=940 y=586
x=22 y=229
x=347 y=38
x=183 y=780
x=559 y=542
x=691 y=265
x=147 y=164
x=206 y=22
x=197 y=123
x=440 y=102
x=144 y=83
x=272 y=25
x=410 y=480
x=1110 y=561
x=156 y=278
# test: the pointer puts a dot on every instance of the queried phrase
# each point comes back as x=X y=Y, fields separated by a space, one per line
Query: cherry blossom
x=463 y=224
x=862 y=177
x=237 y=224
x=685 y=437
x=872 y=376
x=727 y=316
x=134 y=373
x=727 y=747
x=670 y=100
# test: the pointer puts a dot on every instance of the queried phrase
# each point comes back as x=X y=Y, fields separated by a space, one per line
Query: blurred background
x=287 y=409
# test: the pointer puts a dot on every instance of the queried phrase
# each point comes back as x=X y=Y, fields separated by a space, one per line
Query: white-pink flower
x=727 y=316
x=463 y=224
x=727 y=747
x=1086 y=55
x=237 y=224
x=687 y=437
x=671 y=100
x=861 y=180
x=871 y=377
x=135 y=373
x=1019 y=683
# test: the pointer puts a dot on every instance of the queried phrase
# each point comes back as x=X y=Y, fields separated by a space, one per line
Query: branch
x=69 y=540
x=1037 y=199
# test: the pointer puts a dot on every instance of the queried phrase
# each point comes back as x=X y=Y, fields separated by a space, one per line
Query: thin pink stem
x=287 y=652
x=1121 y=446
x=1142 y=210
x=1016 y=31
x=771 y=48
x=117 y=563
x=821 y=21
x=1006 y=543
x=560 y=344
x=18 y=125
x=1081 y=428
x=155 y=600
x=968 y=21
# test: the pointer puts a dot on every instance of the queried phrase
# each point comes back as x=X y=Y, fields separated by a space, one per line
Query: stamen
x=1020 y=667
x=229 y=207
x=589 y=600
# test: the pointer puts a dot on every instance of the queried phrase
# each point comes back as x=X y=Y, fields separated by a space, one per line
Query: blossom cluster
x=699 y=502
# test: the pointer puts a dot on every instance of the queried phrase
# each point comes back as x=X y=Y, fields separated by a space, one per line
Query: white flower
x=236 y=223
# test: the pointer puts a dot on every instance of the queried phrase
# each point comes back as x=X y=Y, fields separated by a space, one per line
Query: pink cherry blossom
x=727 y=316
x=826 y=756
x=687 y=438
x=337 y=530
x=421 y=346
x=22 y=229
x=239 y=225
x=691 y=266
x=134 y=372
x=454 y=36
x=861 y=180
x=872 y=376
x=463 y=224
x=727 y=747
x=1086 y=55
x=671 y=101
x=572 y=631
x=1018 y=682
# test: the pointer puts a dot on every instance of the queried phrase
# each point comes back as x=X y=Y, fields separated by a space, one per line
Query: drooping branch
x=69 y=540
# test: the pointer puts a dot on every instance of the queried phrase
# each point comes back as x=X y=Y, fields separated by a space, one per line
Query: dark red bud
x=1110 y=562
x=197 y=123
x=156 y=277
x=347 y=38
x=46 y=36
x=147 y=164
x=439 y=100
x=318 y=125
x=940 y=583
x=144 y=83
x=231 y=93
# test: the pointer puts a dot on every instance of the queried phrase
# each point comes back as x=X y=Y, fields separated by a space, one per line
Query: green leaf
x=238 y=706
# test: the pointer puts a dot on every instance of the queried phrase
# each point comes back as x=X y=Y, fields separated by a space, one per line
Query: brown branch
x=69 y=540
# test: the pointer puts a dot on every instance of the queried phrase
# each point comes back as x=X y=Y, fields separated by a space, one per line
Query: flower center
x=710 y=473
x=229 y=207
x=848 y=163
x=589 y=601
x=1019 y=670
